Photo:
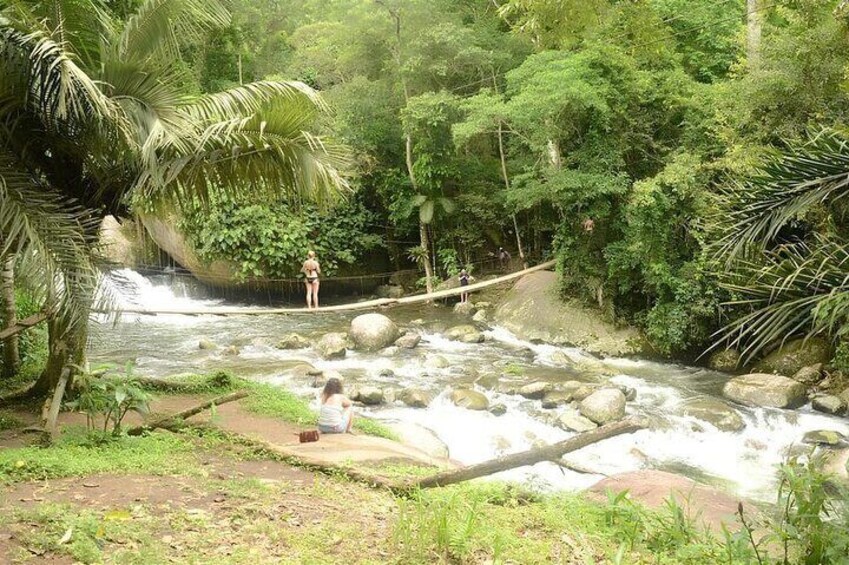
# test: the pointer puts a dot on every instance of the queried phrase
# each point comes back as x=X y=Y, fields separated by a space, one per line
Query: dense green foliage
x=610 y=131
x=271 y=240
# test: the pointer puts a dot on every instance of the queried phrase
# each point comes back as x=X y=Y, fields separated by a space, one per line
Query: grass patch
x=78 y=454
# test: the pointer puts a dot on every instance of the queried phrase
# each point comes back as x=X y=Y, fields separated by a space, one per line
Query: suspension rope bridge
x=366 y=305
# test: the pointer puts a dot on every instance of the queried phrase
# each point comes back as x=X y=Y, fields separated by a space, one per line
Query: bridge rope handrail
x=366 y=305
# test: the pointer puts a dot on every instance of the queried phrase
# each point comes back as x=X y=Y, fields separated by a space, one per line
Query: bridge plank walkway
x=366 y=305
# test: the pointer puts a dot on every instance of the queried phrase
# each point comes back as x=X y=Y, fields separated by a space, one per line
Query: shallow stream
x=743 y=462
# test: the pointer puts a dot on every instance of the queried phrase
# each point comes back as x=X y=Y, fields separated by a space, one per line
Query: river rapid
x=741 y=462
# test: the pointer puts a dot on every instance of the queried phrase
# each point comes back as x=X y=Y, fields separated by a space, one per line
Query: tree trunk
x=425 y=243
x=178 y=419
x=506 y=179
x=547 y=453
x=11 y=352
x=66 y=347
x=554 y=158
x=754 y=23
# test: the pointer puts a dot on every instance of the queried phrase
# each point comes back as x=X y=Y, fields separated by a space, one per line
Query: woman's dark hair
x=333 y=386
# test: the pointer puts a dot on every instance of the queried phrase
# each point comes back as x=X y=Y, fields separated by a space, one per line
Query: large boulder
x=715 y=412
x=790 y=358
x=471 y=399
x=534 y=311
x=759 y=389
x=415 y=397
x=725 y=360
x=604 y=405
x=164 y=231
x=371 y=332
x=332 y=346
x=465 y=333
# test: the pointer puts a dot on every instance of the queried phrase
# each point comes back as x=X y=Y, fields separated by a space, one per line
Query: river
x=741 y=462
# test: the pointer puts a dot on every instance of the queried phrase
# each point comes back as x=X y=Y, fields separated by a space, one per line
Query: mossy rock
x=794 y=355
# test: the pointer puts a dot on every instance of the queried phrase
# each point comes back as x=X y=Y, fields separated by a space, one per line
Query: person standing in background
x=311 y=270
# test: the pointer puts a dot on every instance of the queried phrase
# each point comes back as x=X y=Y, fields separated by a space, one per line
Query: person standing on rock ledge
x=311 y=270
x=503 y=258
x=464 y=281
x=336 y=415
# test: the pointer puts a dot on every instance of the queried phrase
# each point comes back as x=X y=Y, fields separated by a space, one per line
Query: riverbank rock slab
x=332 y=346
x=470 y=399
x=760 y=389
x=794 y=355
x=534 y=311
x=421 y=438
x=715 y=412
x=603 y=406
x=652 y=488
x=371 y=332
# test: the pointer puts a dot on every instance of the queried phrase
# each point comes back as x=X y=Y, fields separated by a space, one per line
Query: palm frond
x=797 y=290
x=54 y=240
x=56 y=88
x=788 y=187
x=161 y=26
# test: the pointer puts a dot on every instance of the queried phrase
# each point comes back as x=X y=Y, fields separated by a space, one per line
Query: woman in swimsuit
x=312 y=270
x=464 y=281
x=337 y=412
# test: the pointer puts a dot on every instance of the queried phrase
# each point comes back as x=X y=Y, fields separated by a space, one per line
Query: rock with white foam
x=761 y=389
x=603 y=406
x=370 y=332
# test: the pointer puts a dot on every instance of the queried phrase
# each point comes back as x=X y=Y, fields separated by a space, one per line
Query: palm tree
x=785 y=284
x=94 y=116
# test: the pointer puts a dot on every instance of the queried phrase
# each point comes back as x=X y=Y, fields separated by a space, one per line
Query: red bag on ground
x=308 y=436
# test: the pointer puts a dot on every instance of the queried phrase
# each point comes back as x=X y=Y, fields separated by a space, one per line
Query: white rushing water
x=742 y=461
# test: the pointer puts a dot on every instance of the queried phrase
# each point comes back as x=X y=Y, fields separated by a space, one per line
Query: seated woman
x=337 y=412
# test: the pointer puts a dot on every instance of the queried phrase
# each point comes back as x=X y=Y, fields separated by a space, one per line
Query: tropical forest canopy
x=683 y=160
x=661 y=121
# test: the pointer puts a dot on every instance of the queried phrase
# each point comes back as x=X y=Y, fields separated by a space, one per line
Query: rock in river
x=535 y=391
x=471 y=399
x=715 y=412
x=759 y=389
x=823 y=437
x=725 y=360
x=293 y=341
x=206 y=344
x=465 y=308
x=332 y=346
x=408 y=341
x=370 y=395
x=415 y=397
x=465 y=333
x=604 y=405
x=371 y=332
x=829 y=404
x=436 y=362
x=572 y=421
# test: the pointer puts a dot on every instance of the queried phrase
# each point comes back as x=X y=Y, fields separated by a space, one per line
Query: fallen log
x=551 y=452
x=175 y=420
